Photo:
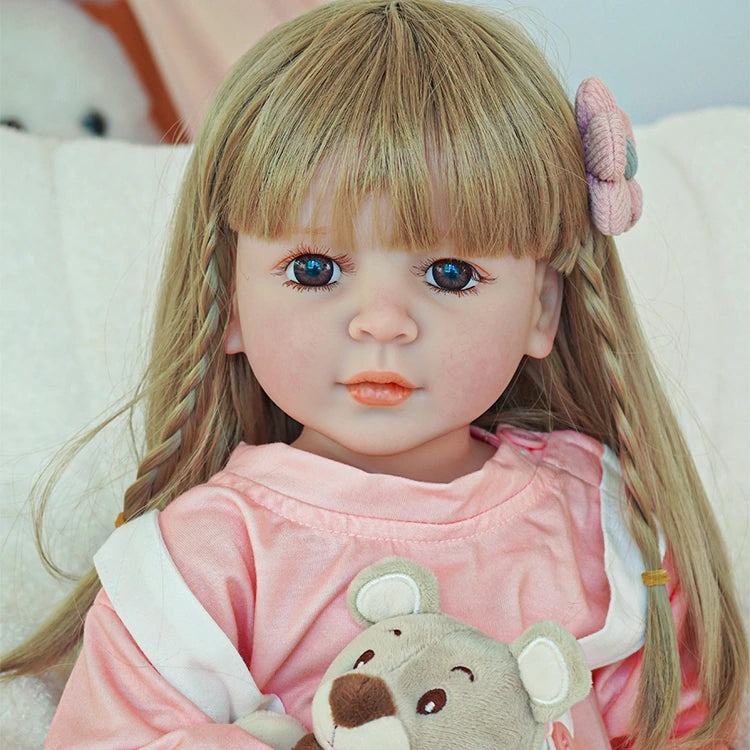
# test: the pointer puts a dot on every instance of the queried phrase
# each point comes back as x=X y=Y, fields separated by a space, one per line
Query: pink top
x=269 y=545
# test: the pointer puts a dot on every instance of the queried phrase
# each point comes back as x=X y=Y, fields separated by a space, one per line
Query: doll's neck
x=441 y=459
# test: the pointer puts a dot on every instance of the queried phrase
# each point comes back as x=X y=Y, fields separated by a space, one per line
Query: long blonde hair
x=379 y=96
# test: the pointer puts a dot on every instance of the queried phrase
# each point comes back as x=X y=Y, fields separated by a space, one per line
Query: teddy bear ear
x=394 y=586
x=553 y=669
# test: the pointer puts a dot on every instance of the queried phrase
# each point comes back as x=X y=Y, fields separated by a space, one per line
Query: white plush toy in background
x=64 y=74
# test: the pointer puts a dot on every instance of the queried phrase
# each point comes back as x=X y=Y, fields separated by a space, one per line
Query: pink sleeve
x=616 y=685
x=115 y=698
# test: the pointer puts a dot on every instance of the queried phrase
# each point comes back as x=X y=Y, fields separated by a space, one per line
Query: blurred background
x=144 y=70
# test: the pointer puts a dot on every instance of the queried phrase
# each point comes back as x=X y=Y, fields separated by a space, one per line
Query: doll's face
x=386 y=356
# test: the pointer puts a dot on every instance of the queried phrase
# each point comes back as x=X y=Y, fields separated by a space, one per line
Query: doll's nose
x=384 y=319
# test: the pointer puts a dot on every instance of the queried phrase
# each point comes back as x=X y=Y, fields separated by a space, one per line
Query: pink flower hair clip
x=611 y=161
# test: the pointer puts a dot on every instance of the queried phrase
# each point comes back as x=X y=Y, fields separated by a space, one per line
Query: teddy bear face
x=424 y=681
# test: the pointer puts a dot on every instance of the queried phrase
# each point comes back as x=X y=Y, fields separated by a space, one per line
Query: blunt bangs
x=446 y=115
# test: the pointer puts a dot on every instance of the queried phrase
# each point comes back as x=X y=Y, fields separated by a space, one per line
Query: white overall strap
x=171 y=627
x=625 y=625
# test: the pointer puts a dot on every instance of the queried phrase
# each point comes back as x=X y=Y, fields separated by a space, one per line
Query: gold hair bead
x=655 y=577
x=120 y=520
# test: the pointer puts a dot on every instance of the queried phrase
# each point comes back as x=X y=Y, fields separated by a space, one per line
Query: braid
x=190 y=420
x=180 y=435
x=660 y=683
x=599 y=379
x=594 y=297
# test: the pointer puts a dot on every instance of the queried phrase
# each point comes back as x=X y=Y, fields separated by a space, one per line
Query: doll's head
x=444 y=123
x=446 y=118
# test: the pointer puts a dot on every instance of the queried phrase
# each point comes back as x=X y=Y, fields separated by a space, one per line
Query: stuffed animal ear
x=394 y=586
x=553 y=669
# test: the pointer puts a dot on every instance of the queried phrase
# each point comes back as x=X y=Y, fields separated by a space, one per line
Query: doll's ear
x=549 y=296
x=553 y=669
x=233 y=343
x=394 y=586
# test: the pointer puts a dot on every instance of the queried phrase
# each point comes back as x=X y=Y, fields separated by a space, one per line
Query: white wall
x=658 y=56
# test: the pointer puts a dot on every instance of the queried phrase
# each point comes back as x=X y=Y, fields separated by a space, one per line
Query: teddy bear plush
x=416 y=678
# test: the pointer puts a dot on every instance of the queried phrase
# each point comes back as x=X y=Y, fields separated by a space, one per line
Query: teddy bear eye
x=432 y=702
x=364 y=658
x=466 y=671
x=95 y=122
x=12 y=122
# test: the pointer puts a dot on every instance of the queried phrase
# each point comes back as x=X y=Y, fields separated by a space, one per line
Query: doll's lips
x=378 y=388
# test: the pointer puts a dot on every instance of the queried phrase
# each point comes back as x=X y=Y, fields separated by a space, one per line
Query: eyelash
x=346 y=265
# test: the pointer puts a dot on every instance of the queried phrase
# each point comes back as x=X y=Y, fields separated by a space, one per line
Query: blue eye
x=452 y=275
x=313 y=270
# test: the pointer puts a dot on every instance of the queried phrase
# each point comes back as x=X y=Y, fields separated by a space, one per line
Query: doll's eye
x=452 y=275
x=432 y=702
x=313 y=271
x=364 y=658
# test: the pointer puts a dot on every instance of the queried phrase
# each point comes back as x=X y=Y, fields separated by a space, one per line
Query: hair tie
x=120 y=520
x=658 y=577
x=615 y=197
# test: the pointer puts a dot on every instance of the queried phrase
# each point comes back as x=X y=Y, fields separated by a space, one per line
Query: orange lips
x=379 y=388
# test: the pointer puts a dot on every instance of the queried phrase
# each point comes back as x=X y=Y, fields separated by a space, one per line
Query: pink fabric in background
x=194 y=43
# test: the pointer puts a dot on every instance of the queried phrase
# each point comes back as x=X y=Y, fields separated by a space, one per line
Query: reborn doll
x=393 y=321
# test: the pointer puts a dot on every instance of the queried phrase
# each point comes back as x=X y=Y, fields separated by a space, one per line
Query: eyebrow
x=466 y=670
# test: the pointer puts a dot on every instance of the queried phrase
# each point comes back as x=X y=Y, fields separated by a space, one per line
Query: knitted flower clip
x=611 y=161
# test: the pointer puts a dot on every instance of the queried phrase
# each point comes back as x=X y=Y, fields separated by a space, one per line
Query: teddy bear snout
x=357 y=699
